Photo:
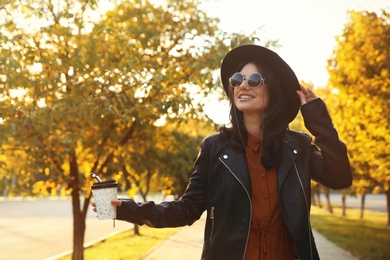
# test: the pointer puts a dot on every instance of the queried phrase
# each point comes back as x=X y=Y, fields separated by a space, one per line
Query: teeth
x=245 y=97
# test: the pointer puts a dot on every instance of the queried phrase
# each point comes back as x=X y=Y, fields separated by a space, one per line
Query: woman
x=253 y=179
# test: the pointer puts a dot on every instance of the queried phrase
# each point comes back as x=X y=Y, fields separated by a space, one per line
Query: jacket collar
x=236 y=162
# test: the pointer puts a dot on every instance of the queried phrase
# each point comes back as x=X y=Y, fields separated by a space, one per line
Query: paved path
x=39 y=229
x=187 y=244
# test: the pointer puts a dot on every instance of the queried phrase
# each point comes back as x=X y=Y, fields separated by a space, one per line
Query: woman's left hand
x=306 y=95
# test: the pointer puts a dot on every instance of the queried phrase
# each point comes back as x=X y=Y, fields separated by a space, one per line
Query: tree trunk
x=328 y=204
x=136 y=230
x=78 y=237
x=313 y=199
x=318 y=193
x=126 y=178
x=315 y=196
x=344 y=205
x=388 y=206
x=362 y=206
x=78 y=214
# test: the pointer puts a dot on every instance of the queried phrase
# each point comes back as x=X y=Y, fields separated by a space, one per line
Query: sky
x=306 y=30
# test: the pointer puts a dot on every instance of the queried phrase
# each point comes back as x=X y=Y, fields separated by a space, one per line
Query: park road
x=38 y=229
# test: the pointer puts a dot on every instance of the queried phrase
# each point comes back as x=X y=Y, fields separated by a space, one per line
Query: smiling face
x=251 y=101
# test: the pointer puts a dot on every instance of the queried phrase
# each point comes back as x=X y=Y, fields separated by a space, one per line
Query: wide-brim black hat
x=281 y=69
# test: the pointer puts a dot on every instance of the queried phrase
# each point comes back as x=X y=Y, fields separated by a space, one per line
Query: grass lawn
x=126 y=245
x=368 y=238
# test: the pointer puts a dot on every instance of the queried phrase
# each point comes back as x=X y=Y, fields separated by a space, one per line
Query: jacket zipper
x=307 y=209
x=250 y=203
x=212 y=222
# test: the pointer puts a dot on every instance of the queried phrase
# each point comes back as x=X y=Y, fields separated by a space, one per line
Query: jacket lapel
x=289 y=155
x=236 y=163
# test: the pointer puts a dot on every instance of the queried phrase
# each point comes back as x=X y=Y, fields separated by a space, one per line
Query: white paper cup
x=103 y=193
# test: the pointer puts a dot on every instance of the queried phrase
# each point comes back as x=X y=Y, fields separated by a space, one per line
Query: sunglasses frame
x=247 y=79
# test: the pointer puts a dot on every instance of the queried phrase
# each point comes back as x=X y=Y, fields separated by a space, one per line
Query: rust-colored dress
x=269 y=238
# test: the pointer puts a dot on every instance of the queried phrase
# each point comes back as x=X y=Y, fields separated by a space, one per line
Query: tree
x=180 y=150
x=359 y=73
x=162 y=158
x=86 y=87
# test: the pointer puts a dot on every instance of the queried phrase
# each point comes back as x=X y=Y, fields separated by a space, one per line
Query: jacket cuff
x=126 y=210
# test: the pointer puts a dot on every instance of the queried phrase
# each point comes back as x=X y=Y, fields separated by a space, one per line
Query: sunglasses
x=255 y=80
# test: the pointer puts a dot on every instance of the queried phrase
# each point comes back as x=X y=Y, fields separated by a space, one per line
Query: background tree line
x=114 y=95
x=358 y=94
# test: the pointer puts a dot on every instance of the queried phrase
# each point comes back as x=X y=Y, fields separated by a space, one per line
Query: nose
x=244 y=83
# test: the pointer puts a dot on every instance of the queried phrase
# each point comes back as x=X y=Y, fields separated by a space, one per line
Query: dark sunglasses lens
x=236 y=79
x=254 y=80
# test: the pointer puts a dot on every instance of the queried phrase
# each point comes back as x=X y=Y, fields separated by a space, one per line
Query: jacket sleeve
x=330 y=164
x=184 y=211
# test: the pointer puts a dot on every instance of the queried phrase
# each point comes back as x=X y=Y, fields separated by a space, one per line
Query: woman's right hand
x=306 y=95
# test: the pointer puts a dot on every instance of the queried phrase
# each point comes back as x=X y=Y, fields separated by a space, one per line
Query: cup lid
x=105 y=184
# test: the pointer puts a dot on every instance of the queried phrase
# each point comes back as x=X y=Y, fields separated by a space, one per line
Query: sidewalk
x=187 y=244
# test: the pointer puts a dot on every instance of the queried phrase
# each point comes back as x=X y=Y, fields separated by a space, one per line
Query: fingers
x=309 y=94
x=306 y=92
x=93 y=204
x=306 y=95
x=117 y=203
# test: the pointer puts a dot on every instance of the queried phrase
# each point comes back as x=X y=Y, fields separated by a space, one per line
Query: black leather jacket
x=220 y=184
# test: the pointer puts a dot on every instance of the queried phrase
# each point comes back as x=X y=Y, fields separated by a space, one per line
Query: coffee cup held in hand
x=103 y=193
